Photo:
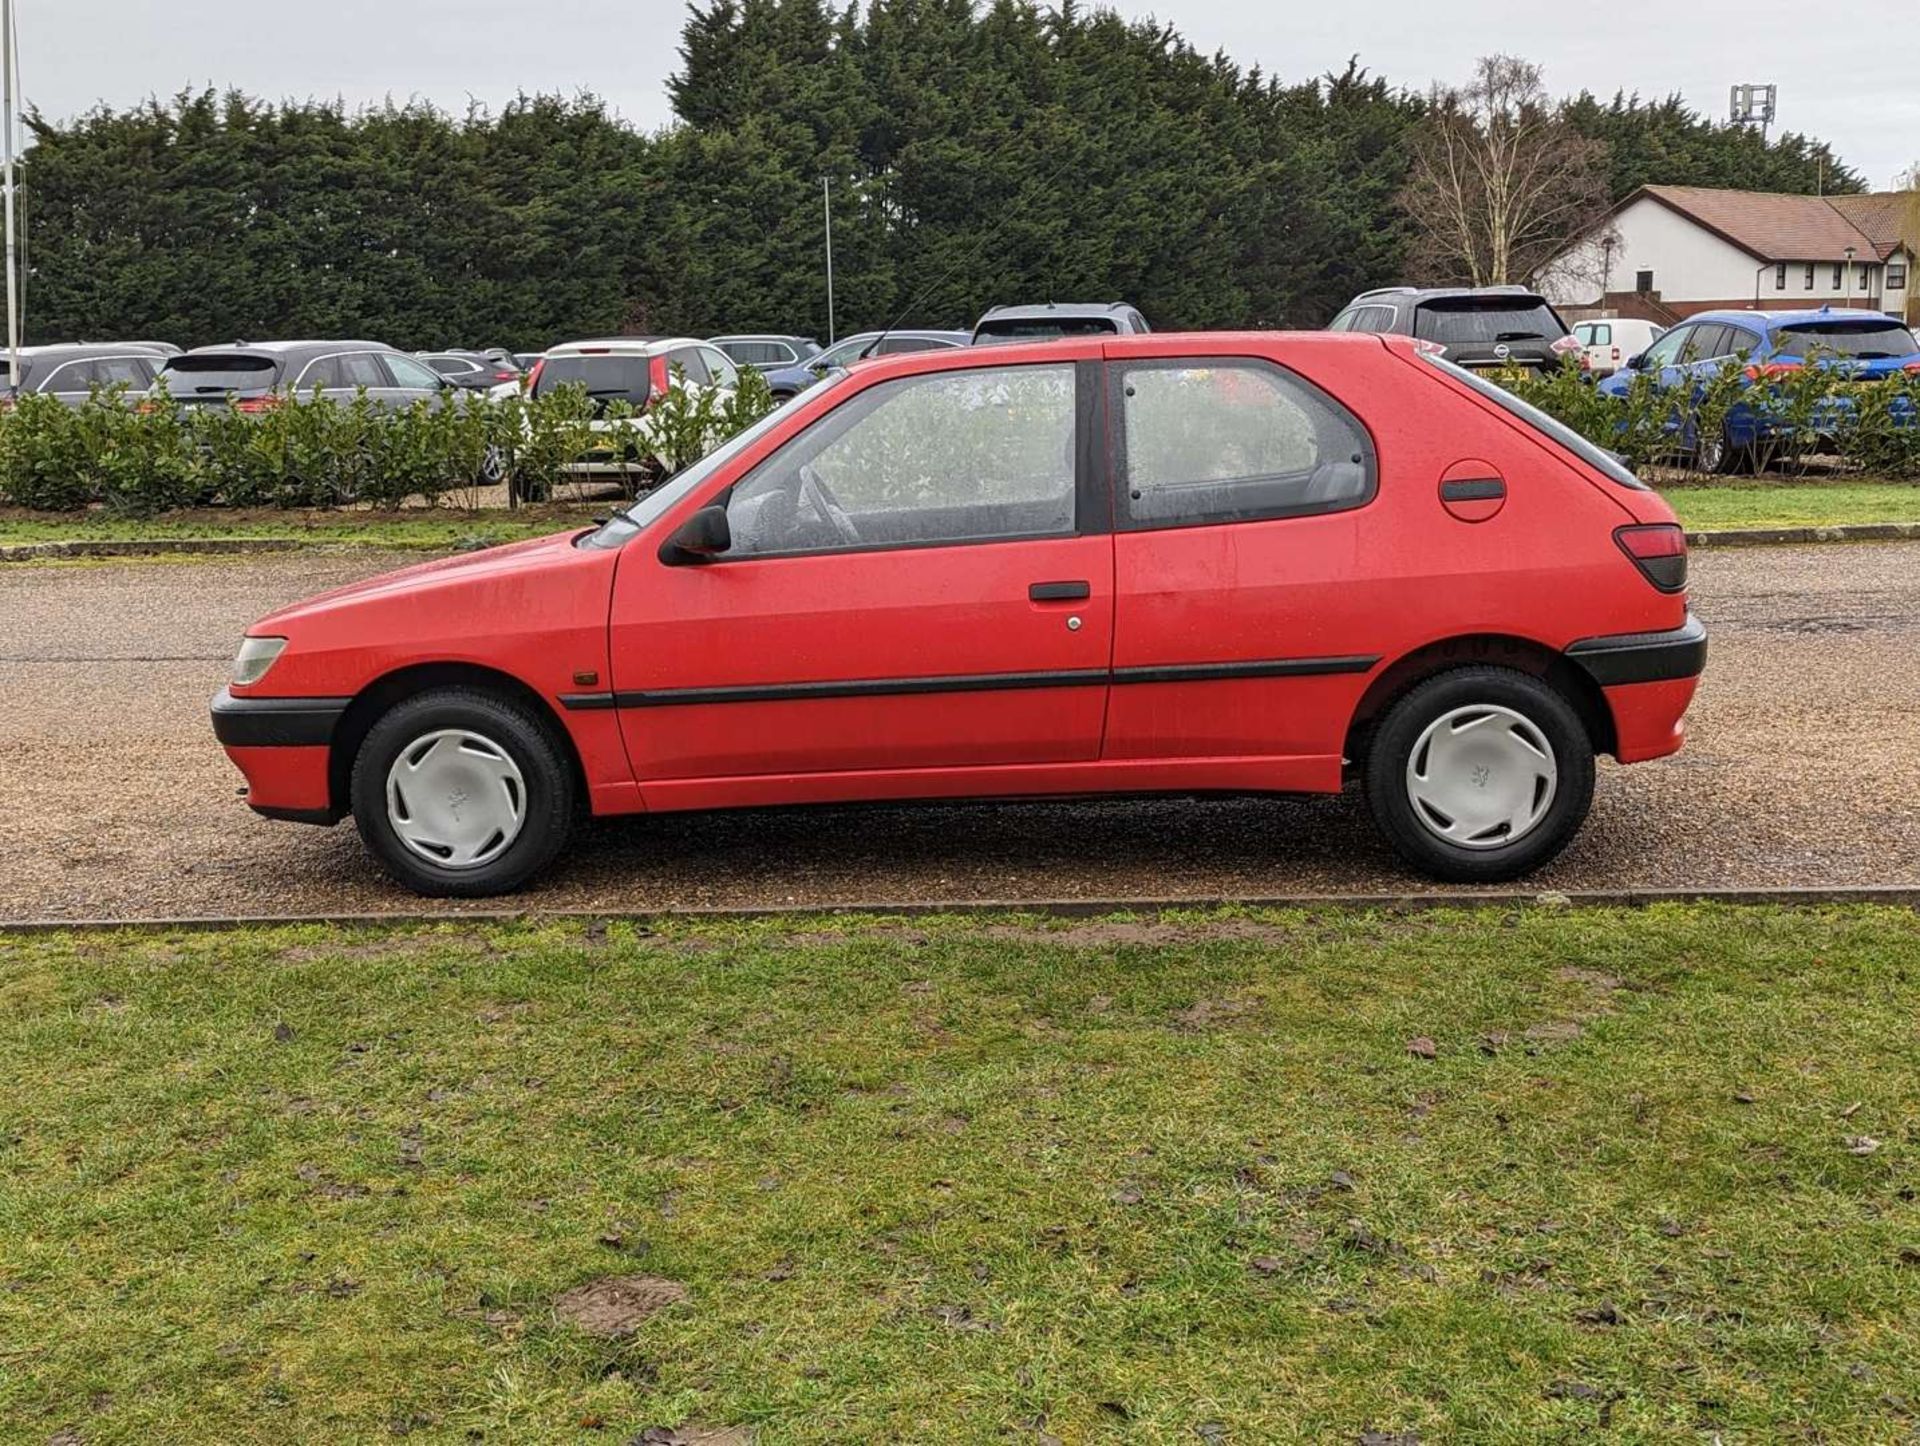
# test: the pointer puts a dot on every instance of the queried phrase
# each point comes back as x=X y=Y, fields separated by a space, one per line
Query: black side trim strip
x=1644 y=657
x=586 y=702
x=863 y=688
x=275 y=722
x=971 y=683
x=1482 y=489
x=1259 y=668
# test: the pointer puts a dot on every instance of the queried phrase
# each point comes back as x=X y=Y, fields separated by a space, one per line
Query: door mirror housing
x=1637 y=362
x=701 y=538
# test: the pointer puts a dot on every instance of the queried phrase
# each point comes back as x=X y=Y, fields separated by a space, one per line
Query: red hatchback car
x=1168 y=563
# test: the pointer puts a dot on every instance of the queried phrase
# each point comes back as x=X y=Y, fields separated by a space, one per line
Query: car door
x=1237 y=486
x=410 y=381
x=918 y=583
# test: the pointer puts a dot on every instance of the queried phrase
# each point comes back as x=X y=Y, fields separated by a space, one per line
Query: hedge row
x=146 y=457
x=1808 y=412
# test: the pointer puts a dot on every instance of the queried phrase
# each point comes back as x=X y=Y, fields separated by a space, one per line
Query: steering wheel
x=813 y=491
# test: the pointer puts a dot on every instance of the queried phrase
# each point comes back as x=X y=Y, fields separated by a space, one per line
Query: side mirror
x=1637 y=362
x=701 y=538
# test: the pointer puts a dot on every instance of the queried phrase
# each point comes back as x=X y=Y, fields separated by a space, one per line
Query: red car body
x=1247 y=655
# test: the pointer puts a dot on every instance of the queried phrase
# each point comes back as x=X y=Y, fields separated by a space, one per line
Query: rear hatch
x=208 y=379
x=1490 y=330
x=1870 y=348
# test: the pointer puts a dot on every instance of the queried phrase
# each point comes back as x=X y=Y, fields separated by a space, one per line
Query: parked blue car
x=791 y=381
x=1862 y=345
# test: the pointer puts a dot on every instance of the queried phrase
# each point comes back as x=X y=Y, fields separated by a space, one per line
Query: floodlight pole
x=6 y=139
x=826 y=197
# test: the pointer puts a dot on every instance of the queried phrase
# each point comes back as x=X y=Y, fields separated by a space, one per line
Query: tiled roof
x=1884 y=217
x=1777 y=227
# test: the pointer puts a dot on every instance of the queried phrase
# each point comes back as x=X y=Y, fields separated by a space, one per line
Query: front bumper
x=283 y=748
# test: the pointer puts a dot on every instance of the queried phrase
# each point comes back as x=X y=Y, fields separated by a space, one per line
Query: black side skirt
x=1644 y=657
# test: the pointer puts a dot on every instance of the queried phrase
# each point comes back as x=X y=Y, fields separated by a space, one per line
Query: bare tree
x=1500 y=182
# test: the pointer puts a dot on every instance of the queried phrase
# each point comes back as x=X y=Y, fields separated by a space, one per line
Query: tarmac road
x=1802 y=770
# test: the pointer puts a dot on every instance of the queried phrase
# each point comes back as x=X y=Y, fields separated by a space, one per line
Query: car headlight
x=256 y=655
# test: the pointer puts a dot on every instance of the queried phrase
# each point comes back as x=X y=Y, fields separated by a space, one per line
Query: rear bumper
x=282 y=746
x=1648 y=680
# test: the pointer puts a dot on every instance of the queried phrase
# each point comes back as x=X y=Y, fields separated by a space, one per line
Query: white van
x=1609 y=345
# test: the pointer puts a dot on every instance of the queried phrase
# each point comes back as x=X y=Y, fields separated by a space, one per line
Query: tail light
x=1659 y=550
x=533 y=377
x=148 y=407
x=1428 y=348
x=504 y=375
x=1912 y=366
x=658 y=379
x=1564 y=344
x=267 y=403
x=1772 y=369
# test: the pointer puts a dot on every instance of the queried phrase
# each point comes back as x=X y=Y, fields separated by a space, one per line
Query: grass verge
x=1714 y=508
x=425 y=527
x=1189 y=1178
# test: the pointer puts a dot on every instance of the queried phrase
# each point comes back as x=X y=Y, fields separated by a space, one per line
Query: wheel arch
x=1498 y=650
x=385 y=691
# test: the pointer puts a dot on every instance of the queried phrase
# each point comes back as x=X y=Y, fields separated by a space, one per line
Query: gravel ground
x=1803 y=769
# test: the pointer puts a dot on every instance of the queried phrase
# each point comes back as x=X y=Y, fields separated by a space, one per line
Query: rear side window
x=1596 y=457
x=690 y=361
x=213 y=374
x=1234 y=440
x=604 y=377
x=1839 y=338
x=1474 y=320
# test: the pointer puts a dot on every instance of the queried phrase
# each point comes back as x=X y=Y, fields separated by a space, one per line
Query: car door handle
x=1060 y=591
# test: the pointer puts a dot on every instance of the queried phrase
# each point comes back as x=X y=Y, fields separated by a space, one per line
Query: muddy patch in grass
x=617 y=1306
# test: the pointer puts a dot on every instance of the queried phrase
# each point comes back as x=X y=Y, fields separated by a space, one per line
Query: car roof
x=284 y=350
x=622 y=345
x=1060 y=308
x=1418 y=294
x=69 y=349
x=763 y=336
x=1774 y=320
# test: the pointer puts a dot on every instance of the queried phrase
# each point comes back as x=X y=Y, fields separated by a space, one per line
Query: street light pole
x=6 y=139
x=826 y=197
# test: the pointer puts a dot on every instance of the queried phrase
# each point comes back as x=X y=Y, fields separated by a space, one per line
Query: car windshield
x=1471 y=320
x=650 y=508
x=1041 y=328
x=1865 y=340
x=1596 y=457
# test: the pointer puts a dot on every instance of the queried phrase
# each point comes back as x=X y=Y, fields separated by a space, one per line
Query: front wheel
x=1480 y=775
x=461 y=793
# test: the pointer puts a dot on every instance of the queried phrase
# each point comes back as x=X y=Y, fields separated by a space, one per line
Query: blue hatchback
x=1860 y=345
x=791 y=381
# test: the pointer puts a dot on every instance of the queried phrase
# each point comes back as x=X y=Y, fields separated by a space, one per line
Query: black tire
x=1725 y=460
x=1396 y=815
x=550 y=804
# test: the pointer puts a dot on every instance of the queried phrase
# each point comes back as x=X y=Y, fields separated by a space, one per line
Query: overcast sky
x=1849 y=76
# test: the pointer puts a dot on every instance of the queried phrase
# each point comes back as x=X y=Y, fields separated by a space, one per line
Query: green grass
x=1715 y=508
x=424 y=528
x=955 y=1181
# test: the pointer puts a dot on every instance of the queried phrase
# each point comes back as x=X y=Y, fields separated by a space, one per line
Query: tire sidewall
x=550 y=789
x=1409 y=717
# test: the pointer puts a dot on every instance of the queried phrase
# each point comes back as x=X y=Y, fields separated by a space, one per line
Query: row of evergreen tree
x=975 y=155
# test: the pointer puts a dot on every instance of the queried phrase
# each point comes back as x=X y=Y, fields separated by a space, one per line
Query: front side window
x=409 y=373
x=984 y=455
x=1664 y=351
x=1233 y=440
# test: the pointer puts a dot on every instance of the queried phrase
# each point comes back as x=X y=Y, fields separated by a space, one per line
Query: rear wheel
x=461 y=793
x=1480 y=774
x=1718 y=454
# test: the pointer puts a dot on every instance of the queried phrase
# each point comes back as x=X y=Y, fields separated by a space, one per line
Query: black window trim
x=1116 y=464
x=1092 y=505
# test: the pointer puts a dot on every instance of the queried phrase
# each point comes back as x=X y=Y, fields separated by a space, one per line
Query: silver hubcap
x=1481 y=777
x=456 y=798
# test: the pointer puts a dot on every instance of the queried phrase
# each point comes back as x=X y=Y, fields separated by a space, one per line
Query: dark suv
x=1476 y=327
x=74 y=371
x=258 y=375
